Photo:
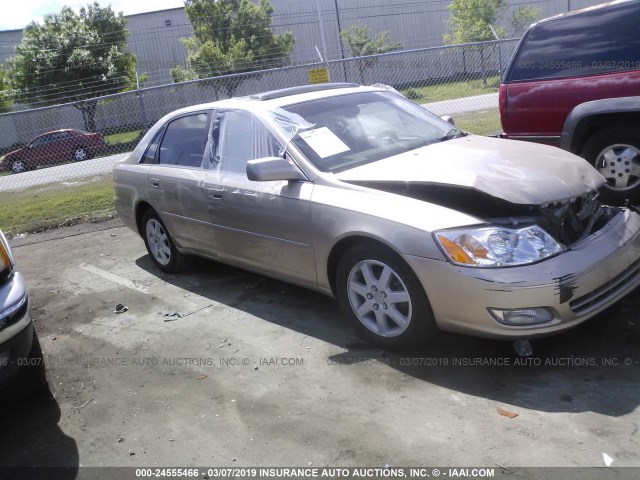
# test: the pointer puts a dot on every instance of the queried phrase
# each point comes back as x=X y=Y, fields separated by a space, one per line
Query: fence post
x=499 y=52
x=143 y=110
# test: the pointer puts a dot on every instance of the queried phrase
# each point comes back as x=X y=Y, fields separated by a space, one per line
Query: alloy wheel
x=158 y=242
x=379 y=298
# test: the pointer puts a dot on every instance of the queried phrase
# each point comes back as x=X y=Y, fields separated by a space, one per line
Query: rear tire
x=384 y=299
x=615 y=153
x=160 y=245
x=80 y=154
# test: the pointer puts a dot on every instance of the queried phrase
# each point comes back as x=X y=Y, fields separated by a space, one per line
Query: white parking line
x=115 y=278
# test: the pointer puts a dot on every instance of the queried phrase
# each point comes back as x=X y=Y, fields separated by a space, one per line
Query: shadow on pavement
x=32 y=438
x=581 y=370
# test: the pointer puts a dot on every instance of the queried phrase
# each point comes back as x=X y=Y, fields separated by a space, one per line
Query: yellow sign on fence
x=318 y=75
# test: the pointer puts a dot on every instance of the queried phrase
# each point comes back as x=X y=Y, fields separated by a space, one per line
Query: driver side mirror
x=271 y=169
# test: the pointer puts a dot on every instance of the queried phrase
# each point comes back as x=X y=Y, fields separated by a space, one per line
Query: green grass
x=123 y=137
x=48 y=206
x=448 y=91
x=121 y=142
x=482 y=122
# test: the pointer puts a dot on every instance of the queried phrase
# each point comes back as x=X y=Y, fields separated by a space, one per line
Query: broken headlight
x=496 y=246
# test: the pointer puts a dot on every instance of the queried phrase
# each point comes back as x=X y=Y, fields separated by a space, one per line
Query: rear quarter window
x=595 y=41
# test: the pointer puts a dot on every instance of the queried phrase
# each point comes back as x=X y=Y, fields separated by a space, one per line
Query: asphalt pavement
x=222 y=367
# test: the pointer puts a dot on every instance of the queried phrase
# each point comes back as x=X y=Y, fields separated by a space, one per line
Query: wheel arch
x=589 y=117
x=595 y=123
x=345 y=244
x=141 y=209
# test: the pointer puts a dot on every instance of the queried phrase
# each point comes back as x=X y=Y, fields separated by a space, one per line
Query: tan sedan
x=411 y=223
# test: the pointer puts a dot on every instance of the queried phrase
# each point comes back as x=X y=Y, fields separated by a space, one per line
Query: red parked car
x=53 y=147
x=561 y=67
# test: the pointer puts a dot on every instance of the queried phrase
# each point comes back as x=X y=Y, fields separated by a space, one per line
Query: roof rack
x=285 y=92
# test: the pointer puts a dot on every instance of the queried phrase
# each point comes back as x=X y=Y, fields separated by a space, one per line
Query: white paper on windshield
x=324 y=142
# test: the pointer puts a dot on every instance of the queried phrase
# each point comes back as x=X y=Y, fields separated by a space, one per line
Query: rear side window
x=601 y=40
x=185 y=140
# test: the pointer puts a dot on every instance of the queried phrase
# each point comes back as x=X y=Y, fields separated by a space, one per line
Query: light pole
x=344 y=67
x=323 y=39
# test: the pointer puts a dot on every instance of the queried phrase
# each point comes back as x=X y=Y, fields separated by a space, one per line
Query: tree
x=360 y=44
x=231 y=36
x=469 y=22
x=5 y=94
x=523 y=16
x=73 y=58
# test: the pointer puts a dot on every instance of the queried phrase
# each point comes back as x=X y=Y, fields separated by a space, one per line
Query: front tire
x=384 y=299
x=159 y=244
x=615 y=153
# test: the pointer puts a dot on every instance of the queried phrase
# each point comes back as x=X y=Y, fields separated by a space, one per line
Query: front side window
x=185 y=140
x=242 y=137
x=345 y=131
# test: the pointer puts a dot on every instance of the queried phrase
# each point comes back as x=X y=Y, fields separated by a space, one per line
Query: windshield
x=346 y=131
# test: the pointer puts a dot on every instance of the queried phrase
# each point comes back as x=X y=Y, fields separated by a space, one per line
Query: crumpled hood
x=515 y=171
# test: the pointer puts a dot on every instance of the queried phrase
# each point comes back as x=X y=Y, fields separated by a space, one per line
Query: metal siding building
x=155 y=36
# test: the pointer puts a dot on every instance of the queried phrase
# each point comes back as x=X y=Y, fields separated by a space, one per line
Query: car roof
x=279 y=98
x=57 y=131
x=601 y=6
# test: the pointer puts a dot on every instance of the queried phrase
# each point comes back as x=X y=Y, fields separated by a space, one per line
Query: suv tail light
x=503 y=102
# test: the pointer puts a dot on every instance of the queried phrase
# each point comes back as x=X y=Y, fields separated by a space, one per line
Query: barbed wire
x=156 y=72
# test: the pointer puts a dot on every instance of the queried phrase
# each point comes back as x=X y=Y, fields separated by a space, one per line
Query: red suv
x=564 y=87
x=53 y=147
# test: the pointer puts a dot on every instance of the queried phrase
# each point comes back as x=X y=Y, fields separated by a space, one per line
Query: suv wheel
x=615 y=152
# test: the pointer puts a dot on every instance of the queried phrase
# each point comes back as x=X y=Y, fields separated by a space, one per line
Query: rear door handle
x=154 y=182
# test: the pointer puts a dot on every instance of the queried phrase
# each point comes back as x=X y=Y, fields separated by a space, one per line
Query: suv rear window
x=595 y=41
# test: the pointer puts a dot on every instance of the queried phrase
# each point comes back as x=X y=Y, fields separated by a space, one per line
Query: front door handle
x=214 y=193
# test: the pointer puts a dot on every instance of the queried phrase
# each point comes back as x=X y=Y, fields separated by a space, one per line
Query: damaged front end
x=566 y=222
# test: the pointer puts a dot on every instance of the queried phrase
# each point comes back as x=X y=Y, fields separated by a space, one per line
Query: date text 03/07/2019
x=315 y=472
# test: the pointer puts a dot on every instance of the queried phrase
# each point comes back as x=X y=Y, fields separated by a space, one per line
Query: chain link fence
x=50 y=149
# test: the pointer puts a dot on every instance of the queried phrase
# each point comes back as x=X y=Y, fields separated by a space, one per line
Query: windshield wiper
x=453 y=133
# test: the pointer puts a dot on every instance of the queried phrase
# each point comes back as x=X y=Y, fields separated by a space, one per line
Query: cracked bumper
x=575 y=285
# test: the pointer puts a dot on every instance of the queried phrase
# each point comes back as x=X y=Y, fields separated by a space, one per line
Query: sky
x=22 y=12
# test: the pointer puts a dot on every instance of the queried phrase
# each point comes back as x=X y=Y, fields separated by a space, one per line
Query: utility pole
x=323 y=39
x=339 y=28
x=344 y=67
